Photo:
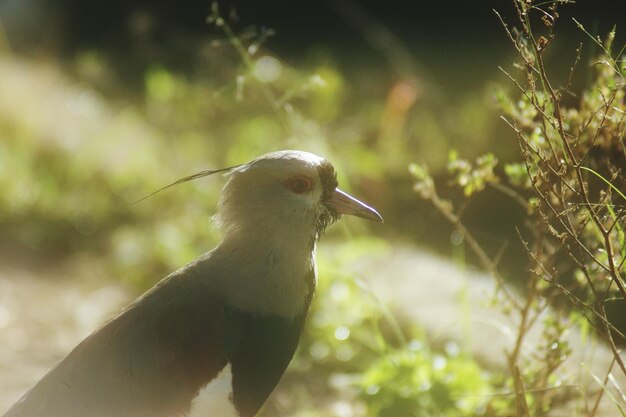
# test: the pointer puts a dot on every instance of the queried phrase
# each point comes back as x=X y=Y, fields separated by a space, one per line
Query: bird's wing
x=150 y=360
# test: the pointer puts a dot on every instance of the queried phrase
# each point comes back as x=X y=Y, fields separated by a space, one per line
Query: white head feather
x=256 y=200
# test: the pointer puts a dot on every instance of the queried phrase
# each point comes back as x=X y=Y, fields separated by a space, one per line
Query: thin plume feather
x=185 y=179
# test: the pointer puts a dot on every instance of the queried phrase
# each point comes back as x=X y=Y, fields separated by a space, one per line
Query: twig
x=594 y=410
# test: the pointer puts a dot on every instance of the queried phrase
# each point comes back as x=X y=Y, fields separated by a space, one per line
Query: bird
x=213 y=338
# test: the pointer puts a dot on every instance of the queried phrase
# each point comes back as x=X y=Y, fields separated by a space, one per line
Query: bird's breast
x=266 y=281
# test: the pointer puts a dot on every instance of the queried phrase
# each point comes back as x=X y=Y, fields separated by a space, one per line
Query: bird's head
x=271 y=211
x=292 y=192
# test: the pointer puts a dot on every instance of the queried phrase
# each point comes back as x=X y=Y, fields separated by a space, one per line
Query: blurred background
x=103 y=102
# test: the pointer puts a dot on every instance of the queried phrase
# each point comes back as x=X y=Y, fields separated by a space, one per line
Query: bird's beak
x=344 y=203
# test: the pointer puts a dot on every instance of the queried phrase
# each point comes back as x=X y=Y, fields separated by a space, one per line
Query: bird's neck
x=270 y=272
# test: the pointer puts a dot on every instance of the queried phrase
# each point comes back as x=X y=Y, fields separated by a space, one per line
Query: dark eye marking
x=328 y=179
x=299 y=184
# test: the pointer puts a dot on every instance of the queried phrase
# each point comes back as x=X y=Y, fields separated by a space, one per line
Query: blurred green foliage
x=75 y=152
x=417 y=381
x=386 y=363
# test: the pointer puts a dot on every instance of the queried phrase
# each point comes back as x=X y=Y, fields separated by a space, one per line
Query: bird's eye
x=299 y=184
